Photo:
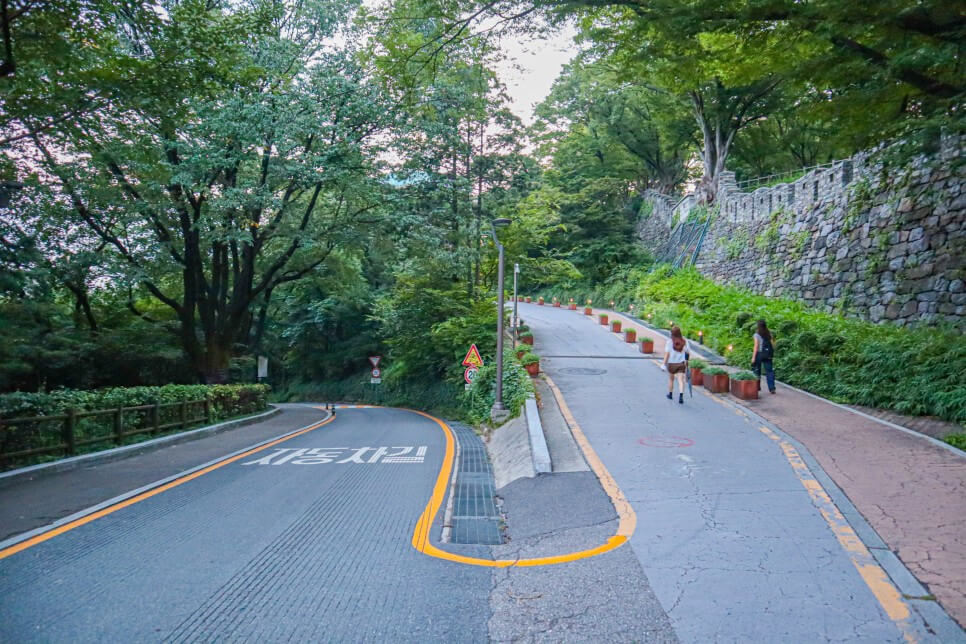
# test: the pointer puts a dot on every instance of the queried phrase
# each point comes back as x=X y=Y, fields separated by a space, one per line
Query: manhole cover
x=583 y=371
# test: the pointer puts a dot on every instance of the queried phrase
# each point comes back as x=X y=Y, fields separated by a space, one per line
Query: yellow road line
x=869 y=569
x=625 y=528
x=50 y=534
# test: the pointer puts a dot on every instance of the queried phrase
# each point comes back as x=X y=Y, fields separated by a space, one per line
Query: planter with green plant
x=521 y=350
x=744 y=385
x=526 y=338
x=647 y=345
x=630 y=336
x=572 y=306
x=526 y=299
x=603 y=319
x=531 y=362
x=697 y=369
x=715 y=380
x=615 y=326
x=588 y=310
x=540 y=301
x=556 y=303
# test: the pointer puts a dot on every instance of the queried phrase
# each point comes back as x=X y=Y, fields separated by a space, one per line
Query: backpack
x=767 y=350
x=677 y=343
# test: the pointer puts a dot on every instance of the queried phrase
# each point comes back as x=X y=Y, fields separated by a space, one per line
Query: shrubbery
x=516 y=387
x=913 y=371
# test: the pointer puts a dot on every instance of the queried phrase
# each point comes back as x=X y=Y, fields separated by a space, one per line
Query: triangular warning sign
x=473 y=358
x=375 y=361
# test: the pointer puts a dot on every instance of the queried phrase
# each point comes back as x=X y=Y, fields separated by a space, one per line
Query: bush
x=744 y=375
x=957 y=440
x=526 y=334
x=914 y=371
x=713 y=371
x=516 y=387
x=529 y=358
x=699 y=364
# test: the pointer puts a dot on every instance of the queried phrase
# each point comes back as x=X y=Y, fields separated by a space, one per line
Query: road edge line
x=21 y=542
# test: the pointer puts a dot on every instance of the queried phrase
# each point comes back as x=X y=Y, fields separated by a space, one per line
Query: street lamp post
x=516 y=319
x=499 y=413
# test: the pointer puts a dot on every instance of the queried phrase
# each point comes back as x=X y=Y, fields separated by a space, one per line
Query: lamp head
x=501 y=221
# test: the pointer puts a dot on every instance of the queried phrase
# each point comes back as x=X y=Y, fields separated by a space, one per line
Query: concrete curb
x=931 y=612
x=538 y=442
x=117 y=453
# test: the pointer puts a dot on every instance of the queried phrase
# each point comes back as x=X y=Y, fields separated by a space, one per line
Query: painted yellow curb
x=50 y=534
x=627 y=523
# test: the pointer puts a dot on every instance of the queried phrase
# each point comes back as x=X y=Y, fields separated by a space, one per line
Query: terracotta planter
x=533 y=369
x=540 y=301
x=630 y=336
x=615 y=326
x=556 y=305
x=697 y=378
x=572 y=306
x=527 y=300
x=520 y=353
x=745 y=389
x=647 y=346
x=588 y=310
x=716 y=384
x=527 y=340
x=603 y=319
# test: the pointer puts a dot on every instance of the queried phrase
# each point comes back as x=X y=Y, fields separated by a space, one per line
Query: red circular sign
x=665 y=441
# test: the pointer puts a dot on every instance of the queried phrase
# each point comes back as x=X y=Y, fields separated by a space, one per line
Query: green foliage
x=529 y=358
x=913 y=371
x=957 y=440
x=737 y=245
x=439 y=397
x=697 y=363
x=713 y=371
x=482 y=393
x=744 y=375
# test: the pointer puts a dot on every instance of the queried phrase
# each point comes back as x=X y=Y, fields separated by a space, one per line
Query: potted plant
x=715 y=380
x=540 y=301
x=744 y=385
x=573 y=305
x=603 y=319
x=526 y=338
x=527 y=299
x=697 y=368
x=588 y=310
x=630 y=336
x=615 y=326
x=531 y=362
x=521 y=350
x=556 y=303
x=647 y=345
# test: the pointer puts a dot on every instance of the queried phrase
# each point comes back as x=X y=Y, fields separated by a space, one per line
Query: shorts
x=676 y=367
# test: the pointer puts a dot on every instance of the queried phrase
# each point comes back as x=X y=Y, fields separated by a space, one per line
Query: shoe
x=670 y=396
x=681 y=398
x=772 y=391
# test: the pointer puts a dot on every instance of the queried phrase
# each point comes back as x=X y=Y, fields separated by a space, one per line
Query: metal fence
x=64 y=434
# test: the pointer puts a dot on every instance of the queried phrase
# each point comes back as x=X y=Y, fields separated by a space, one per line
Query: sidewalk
x=912 y=491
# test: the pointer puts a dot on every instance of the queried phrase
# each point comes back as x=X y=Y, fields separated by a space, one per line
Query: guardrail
x=147 y=421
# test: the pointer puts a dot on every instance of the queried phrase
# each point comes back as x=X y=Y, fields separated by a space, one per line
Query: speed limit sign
x=470 y=374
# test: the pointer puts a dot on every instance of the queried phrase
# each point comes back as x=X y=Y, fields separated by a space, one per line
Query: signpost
x=472 y=362
x=376 y=371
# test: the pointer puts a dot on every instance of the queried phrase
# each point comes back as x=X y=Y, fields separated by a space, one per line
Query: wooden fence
x=16 y=434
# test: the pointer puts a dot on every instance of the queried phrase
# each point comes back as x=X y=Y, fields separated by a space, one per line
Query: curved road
x=308 y=539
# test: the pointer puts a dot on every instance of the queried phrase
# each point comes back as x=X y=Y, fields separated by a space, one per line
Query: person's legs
x=756 y=368
x=681 y=377
x=670 y=385
x=770 y=375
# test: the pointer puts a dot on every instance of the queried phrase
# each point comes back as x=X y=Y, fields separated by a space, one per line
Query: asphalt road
x=728 y=537
x=306 y=540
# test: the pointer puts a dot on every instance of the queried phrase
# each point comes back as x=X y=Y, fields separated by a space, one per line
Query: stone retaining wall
x=856 y=237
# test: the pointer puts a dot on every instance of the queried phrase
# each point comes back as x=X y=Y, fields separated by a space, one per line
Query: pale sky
x=541 y=60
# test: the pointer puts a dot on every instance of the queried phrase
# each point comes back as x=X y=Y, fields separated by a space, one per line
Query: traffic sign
x=473 y=358
x=375 y=361
x=376 y=373
x=470 y=375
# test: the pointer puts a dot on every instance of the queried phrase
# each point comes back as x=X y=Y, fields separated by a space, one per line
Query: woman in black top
x=763 y=354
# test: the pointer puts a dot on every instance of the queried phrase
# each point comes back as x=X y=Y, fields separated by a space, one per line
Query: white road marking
x=361 y=455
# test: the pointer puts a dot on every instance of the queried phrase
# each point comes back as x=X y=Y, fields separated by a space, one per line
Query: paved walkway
x=729 y=535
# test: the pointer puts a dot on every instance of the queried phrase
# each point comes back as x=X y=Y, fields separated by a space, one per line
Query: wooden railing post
x=184 y=414
x=156 y=416
x=207 y=411
x=69 y=440
x=118 y=426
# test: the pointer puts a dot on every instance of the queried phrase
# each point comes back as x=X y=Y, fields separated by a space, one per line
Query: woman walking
x=676 y=362
x=763 y=354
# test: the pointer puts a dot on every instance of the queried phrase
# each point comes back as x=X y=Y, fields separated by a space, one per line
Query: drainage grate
x=475 y=517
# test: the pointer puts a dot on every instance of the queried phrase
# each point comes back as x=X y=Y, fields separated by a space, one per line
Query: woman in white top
x=676 y=362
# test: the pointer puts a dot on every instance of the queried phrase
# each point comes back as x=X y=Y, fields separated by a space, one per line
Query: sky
x=541 y=60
